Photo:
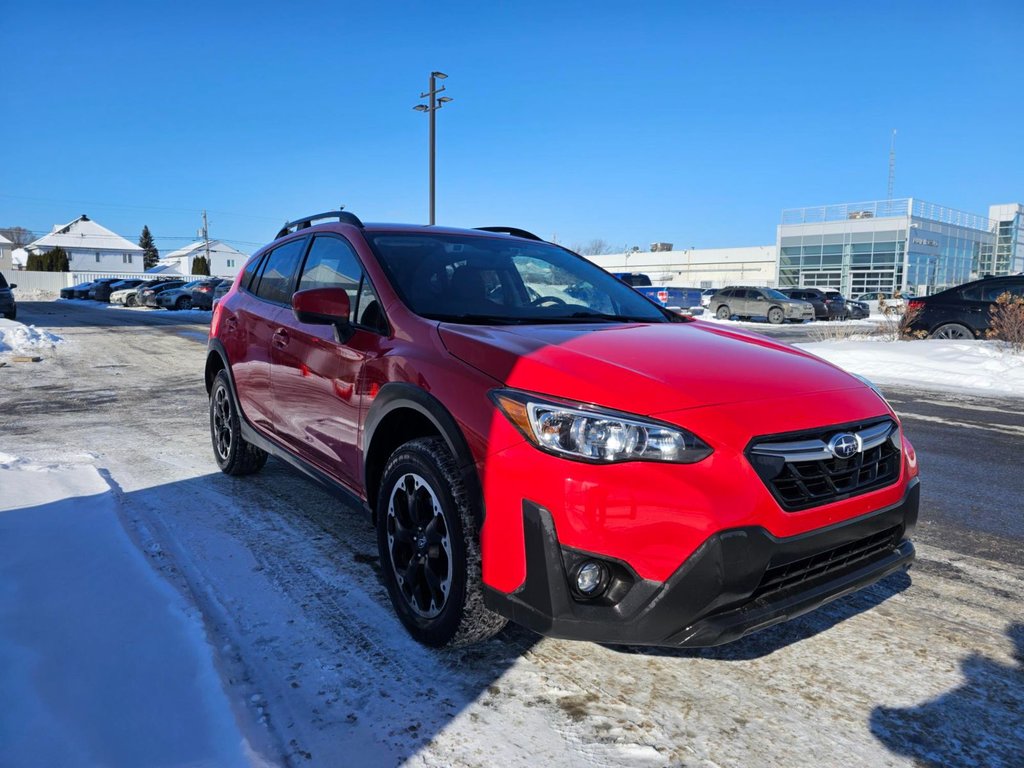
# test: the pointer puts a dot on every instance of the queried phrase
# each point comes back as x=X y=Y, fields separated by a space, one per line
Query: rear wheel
x=775 y=316
x=183 y=303
x=429 y=547
x=234 y=455
x=723 y=313
x=952 y=331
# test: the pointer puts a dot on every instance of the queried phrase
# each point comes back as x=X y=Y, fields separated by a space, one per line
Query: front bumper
x=738 y=581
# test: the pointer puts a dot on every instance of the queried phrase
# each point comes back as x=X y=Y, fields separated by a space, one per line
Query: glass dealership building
x=905 y=245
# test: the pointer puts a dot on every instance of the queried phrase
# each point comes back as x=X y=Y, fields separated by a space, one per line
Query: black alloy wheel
x=234 y=455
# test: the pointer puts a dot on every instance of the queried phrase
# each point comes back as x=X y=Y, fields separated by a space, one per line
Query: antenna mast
x=892 y=165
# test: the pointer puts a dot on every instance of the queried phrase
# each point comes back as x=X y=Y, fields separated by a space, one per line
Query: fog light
x=591 y=578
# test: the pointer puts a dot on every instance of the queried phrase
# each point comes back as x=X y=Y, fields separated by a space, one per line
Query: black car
x=855 y=310
x=8 y=307
x=102 y=282
x=102 y=290
x=825 y=308
x=202 y=294
x=962 y=312
x=147 y=297
x=69 y=292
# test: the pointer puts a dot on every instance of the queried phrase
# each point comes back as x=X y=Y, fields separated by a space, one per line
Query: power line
x=135 y=207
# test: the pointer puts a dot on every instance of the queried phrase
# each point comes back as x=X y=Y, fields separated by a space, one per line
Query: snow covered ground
x=20 y=339
x=101 y=661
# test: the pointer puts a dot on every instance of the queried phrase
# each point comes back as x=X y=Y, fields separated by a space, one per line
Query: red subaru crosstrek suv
x=536 y=441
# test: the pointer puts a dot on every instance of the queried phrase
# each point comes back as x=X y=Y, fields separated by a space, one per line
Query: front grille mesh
x=782 y=577
x=802 y=484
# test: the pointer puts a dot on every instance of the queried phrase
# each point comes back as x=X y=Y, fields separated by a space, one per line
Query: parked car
x=129 y=297
x=856 y=310
x=219 y=293
x=81 y=291
x=147 y=296
x=705 y=296
x=102 y=283
x=883 y=303
x=202 y=294
x=8 y=305
x=826 y=307
x=962 y=312
x=744 y=302
x=176 y=298
x=554 y=461
x=69 y=292
x=103 y=292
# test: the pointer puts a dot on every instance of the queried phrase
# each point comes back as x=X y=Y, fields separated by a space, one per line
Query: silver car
x=768 y=303
x=176 y=298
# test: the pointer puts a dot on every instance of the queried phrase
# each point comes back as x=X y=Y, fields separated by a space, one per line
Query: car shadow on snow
x=977 y=723
x=774 y=638
x=287 y=577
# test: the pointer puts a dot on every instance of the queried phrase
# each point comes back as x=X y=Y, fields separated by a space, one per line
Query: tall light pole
x=435 y=104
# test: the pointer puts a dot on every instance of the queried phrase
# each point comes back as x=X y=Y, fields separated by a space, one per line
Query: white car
x=882 y=303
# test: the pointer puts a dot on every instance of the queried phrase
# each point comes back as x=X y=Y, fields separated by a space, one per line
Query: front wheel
x=130 y=301
x=429 y=547
x=723 y=313
x=235 y=456
x=775 y=316
x=183 y=303
x=952 y=331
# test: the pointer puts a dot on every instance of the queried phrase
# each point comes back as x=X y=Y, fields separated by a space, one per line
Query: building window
x=231 y=262
x=126 y=258
x=97 y=257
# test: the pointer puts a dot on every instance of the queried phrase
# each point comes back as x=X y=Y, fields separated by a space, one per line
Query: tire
x=723 y=313
x=954 y=331
x=429 y=547
x=234 y=455
x=776 y=316
x=130 y=301
x=183 y=303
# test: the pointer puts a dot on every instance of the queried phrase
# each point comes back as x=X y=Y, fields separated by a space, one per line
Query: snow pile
x=104 y=662
x=35 y=294
x=978 y=366
x=17 y=337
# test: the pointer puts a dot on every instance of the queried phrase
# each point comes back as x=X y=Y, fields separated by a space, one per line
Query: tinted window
x=250 y=270
x=279 y=270
x=332 y=263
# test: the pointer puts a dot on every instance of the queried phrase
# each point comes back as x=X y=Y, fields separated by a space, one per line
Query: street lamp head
x=421 y=108
x=439 y=75
x=445 y=99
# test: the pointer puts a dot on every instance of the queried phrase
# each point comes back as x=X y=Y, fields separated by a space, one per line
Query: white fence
x=52 y=282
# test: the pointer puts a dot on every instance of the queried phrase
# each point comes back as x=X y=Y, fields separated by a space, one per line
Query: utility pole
x=431 y=109
x=892 y=165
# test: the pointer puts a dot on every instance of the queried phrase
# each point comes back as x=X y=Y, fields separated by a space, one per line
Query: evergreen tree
x=200 y=266
x=54 y=260
x=150 y=255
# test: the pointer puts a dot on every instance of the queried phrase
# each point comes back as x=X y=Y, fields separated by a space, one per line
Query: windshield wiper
x=590 y=315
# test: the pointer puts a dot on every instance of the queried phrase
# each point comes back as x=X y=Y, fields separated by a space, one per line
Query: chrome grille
x=802 y=472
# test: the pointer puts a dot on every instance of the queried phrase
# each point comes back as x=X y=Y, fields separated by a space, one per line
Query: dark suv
x=8 y=306
x=827 y=306
x=530 y=441
x=962 y=312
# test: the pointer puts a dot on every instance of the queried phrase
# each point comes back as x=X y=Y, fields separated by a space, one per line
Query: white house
x=91 y=247
x=225 y=261
x=5 y=254
x=19 y=258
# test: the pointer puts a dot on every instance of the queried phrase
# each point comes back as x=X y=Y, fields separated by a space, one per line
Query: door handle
x=280 y=339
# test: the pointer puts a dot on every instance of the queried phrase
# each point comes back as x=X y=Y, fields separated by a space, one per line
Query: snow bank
x=101 y=662
x=984 y=367
x=19 y=338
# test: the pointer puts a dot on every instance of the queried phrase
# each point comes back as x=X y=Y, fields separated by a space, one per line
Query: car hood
x=643 y=368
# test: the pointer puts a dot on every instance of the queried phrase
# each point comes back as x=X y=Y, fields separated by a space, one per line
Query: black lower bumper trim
x=719 y=594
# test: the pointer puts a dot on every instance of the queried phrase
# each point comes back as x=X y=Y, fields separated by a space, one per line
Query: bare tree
x=595 y=247
x=17 y=235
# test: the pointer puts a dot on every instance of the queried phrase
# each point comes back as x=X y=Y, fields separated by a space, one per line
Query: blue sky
x=694 y=123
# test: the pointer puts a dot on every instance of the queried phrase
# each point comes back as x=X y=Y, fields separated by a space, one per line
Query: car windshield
x=500 y=280
x=771 y=293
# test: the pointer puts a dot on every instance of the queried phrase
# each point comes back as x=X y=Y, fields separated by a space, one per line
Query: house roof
x=198 y=248
x=85 y=233
x=163 y=268
x=4 y=240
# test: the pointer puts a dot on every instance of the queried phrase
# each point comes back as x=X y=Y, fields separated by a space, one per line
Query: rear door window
x=277 y=279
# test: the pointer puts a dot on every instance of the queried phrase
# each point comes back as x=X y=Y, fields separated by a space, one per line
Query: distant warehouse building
x=698 y=267
x=905 y=245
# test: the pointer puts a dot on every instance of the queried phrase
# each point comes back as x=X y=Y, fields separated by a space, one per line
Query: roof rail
x=343 y=217
x=512 y=231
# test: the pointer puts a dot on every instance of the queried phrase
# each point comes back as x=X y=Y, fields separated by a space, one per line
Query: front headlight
x=588 y=433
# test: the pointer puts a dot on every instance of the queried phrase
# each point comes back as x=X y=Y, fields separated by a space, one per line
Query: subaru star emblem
x=845 y=445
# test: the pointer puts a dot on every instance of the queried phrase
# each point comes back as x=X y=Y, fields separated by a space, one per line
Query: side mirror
x=760 y=297
x=12 y=285
x=323 y=306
